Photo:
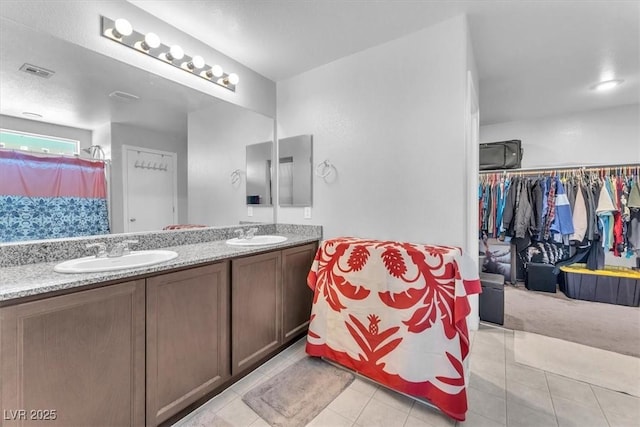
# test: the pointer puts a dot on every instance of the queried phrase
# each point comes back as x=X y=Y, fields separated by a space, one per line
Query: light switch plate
x=249 y=210
x=307 y=213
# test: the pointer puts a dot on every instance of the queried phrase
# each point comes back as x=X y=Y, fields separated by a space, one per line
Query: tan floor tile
x=487 y=405
x=284 y=364
x=476 y=420
x=393 y=399
x=248 y=382
x=489 y=351
x=567 y=388
x=616 y=420
x=618 y=406
x=430 y=415
x=219 y=401
x=364 y=386
x=271 y=364
x=238 y=414
x=487 y=367
x=487 y=383
x=259 y=423
x=573 y=414
x=534 y=398
x=349 y=403
x=525 y=375
x=329 y=418
x=378 y=414
x=523 y=416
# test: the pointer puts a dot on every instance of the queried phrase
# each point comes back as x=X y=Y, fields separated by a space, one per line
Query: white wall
x=391 y=120
x=596 y=137
x=218 y=137
x=471 y=166
x=79 y=22
x=49 y=129
x=124 y=134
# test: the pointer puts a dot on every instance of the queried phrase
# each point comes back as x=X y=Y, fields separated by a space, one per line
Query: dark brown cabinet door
x=256 y=304
x=187 y=338
x=297 y=296
x=75 y=360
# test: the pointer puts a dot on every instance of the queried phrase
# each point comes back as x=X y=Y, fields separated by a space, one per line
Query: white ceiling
x=534 y=58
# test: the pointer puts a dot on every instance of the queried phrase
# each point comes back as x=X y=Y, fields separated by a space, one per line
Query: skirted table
x=612 y=285
x=396 y=313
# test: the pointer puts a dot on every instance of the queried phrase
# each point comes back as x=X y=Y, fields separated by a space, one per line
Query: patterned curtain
x=51 y=197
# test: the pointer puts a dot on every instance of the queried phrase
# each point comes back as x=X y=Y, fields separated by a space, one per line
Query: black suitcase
x=501 y=155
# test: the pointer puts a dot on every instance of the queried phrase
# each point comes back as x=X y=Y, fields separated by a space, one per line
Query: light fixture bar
x=120 y=31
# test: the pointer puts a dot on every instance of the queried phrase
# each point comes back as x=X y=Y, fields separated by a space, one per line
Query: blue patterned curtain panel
x=35 y=218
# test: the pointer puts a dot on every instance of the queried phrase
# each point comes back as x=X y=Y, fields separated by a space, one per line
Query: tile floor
x=501 y=393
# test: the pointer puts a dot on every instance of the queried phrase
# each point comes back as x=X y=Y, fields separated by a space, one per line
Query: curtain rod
x=561 y=168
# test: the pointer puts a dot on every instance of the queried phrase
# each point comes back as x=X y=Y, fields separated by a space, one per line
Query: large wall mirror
x=295 y=171
x=259 y=174
x=88 y=96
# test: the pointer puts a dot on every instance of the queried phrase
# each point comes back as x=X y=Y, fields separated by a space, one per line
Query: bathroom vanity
x=137 y=347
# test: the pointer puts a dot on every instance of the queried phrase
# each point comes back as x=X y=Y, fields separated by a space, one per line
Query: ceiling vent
x=128 y=97
x=37 y=71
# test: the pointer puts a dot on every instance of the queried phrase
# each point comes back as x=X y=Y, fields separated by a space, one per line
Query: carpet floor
x=606 y=326
x=296 y=395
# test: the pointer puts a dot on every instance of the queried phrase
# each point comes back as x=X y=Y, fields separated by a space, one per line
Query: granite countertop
x=35 y=279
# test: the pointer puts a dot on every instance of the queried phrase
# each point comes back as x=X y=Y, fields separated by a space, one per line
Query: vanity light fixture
x=607 y=85
x=151 y=41
x=121 y=28
x=215 y=71
x=121 y=31
x=196 y=63
x=175 y=53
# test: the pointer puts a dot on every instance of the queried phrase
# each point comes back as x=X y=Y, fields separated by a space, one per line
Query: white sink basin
x=91 y=264
x=261 y=240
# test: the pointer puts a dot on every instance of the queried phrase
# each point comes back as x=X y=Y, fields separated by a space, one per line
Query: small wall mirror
x=295 y=171
x=259 y=174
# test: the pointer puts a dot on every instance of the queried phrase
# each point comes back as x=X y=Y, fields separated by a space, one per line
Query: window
x=15 y=140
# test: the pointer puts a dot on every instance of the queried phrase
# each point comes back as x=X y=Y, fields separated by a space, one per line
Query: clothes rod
x=561 y=168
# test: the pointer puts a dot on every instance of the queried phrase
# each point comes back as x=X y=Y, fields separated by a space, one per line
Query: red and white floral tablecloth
x=396 y=313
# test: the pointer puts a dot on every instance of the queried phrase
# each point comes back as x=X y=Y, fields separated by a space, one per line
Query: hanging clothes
x=551 y=212
x=563 y=220
x=579 y=217
x=598 y=210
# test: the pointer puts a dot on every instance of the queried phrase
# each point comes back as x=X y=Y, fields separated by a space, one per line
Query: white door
x=150 y=189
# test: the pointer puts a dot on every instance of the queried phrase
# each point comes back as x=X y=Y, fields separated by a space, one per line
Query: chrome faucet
x=250 y=233
x=240 y=233
x=121 y=249
x=102 y=249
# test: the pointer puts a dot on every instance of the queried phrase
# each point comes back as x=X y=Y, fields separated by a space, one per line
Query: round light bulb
x=607 y=85
x=216 y=70
x=175 y=52
x=197 y=61
x=122 y=28
x=233 y=79
x=152 y=40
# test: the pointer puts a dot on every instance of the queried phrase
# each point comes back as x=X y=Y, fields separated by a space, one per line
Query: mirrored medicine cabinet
x=259 y=174
x=295 y=176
